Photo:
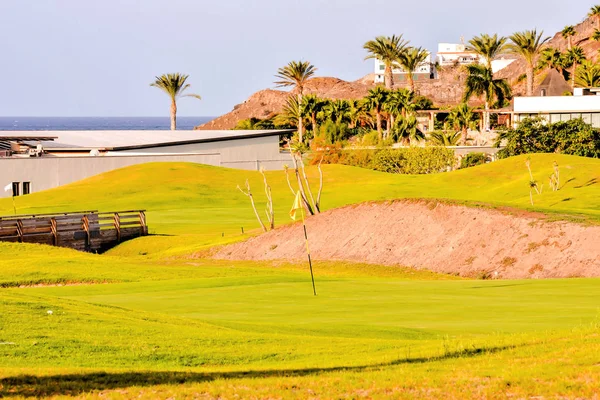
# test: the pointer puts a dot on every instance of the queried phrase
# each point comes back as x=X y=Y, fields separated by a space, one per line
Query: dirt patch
x=440 y=237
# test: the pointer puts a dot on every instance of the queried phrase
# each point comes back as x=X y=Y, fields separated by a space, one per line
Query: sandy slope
x=436 y=236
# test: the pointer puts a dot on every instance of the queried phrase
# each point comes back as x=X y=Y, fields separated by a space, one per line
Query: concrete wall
x=50 y=172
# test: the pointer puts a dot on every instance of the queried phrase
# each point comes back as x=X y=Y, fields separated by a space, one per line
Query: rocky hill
x=447 y=89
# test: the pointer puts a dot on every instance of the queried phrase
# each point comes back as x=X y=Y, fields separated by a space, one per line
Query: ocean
x=97 y=123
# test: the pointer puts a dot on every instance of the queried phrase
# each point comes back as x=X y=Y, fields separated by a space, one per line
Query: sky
x=98 y=57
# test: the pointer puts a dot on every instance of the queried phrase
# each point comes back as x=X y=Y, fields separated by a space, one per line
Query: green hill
x=168 y=323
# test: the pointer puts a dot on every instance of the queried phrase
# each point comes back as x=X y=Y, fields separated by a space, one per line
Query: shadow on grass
x=76 y=384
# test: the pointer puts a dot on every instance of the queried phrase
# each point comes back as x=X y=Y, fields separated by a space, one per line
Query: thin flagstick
x=312 y=277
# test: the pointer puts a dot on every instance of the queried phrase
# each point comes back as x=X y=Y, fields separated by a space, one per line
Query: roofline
x=277 y=132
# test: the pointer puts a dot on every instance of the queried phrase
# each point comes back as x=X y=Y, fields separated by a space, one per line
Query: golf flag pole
x=295 y=207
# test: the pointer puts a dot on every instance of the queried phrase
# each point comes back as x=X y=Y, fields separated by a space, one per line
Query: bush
x=412 y=160
x=333 y=133
x=536 y=135
x=473 y=159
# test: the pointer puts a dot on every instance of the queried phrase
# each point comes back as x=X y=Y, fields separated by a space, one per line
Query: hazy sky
x=98 y=57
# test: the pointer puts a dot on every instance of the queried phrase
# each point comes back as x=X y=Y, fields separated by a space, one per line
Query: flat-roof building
x=33 y=161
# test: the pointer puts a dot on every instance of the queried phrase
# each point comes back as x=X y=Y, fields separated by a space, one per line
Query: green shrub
x=412 y=160
x=334 y=132
x=536 y=135
x=473 y=159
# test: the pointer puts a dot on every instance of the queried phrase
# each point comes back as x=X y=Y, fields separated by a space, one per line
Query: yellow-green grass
x=167 y=322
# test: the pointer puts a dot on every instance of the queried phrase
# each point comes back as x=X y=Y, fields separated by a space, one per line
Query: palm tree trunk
x=486 y=117
x=465 y=133
x=573 y=76
x=530 y=80
x=388 y=77
x=411 y=81
x=392 y=120
x=313 y=118
x=379 y=131
x=300 y=122
x=173 y=115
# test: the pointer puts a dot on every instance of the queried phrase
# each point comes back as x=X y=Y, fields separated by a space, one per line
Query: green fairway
x=156 y=318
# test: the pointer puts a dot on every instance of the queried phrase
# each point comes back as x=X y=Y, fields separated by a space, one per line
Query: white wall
x=546 y=104
x=49 y=172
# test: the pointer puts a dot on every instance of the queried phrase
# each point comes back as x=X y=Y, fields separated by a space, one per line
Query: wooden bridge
x=85 y=230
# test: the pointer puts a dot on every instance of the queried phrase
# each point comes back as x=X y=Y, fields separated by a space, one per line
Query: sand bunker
x=440 y=237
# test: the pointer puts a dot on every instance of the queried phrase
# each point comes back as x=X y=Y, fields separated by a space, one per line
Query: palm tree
x=358 y=114
x=588 y=74
x=462 y=118
x=553 y=58
x=312 y=105
x=375 y=101
x=290 y=115
x=567 y=33
x=445 y=138
x=387 y=50
x=596 y=35
x=296 y=74
x=338 y=111
x=406 y=130
x=410 y=60
x=529 y=45
x=481 y=81
x=398 y=103
x=574 y=57
x=595 y=13
x=488 y=47
x=174 y=85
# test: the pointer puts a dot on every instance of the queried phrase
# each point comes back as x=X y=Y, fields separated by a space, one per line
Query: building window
x=382 y=67
x=26 y=188
x=15 y=188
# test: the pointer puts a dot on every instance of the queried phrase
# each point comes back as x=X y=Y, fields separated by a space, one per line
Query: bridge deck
x=90 y=231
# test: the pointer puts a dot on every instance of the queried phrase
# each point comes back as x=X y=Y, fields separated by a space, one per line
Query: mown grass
x=168 y=322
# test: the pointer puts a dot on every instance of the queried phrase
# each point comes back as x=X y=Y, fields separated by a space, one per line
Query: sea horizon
x=16 y=123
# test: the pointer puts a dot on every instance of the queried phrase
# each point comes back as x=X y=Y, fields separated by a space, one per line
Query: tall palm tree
x=595 y=14
x=481 y=81
x=528 y=45
x=312 y=105
x=574 y=57
x=375 y=101
x=567 y=33
x=488 y=47
x=296 y=74
x=387 y=50
x=410 y=60
x=462 y=118
x=174 y=85
x=588 y=74
x=290 y=115
x=338 y=111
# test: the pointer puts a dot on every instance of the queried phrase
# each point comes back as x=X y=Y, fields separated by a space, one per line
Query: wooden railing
x=83 y=230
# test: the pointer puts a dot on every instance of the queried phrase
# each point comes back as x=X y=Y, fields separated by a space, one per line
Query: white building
x=425 y=70
x=450 y=54
x=34 y=161
x=585 y=104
